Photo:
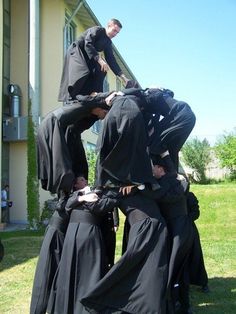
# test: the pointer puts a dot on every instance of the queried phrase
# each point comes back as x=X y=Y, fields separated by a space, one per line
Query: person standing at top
x=84 y=68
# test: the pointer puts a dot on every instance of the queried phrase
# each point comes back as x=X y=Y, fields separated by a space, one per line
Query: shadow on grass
x=220 y=300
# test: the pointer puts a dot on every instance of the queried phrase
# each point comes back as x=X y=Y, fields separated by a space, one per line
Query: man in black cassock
x=61 y=158
x=84 y=69
x=169 y=121
x=137 y=282
x=123 y=160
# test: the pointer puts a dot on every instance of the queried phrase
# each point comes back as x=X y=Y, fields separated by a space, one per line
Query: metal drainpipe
x=68 y=23
x=34 y=81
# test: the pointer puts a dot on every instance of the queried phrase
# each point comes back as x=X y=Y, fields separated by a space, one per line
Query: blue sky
x=188 y=46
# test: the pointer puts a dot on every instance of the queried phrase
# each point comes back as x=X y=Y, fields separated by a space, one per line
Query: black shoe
x=205 y=289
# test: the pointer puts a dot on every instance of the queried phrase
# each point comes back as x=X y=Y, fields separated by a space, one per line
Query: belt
x=86 y=217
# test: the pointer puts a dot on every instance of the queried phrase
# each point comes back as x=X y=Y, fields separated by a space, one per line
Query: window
x=70 y=31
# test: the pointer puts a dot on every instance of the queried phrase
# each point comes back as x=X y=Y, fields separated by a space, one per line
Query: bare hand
x=126 y=190
x=104 y=65
x=110 y=97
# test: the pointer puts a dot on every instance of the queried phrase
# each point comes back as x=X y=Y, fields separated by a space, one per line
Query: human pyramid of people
x=137 y=172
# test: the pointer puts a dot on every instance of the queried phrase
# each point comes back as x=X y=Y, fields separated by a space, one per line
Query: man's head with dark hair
x=80 y=182
x=116 y=22
x=113 y=28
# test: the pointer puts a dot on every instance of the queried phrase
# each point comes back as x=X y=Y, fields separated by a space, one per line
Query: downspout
x=80 y=3
x=34 y=62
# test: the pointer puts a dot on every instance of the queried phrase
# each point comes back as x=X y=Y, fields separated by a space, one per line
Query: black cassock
x=60 y=151
x=174 y=210
x=170 y=196
x=83 y=261
x=171 y=120
x=81 y=72
x=137 y=282
x=122 y=146
x=48 y=261
x=61 y=157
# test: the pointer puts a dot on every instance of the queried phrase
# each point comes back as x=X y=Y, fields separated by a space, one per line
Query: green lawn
x=217 y=227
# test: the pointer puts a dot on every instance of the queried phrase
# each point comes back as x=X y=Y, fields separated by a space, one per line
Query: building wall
x=19 y=49
x=18 y=176
x=19 y=75
x=51 y=56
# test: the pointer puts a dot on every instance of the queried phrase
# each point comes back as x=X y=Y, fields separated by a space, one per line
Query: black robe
x=171 y=199
x=60 y=151
x=122 y=146
x=61 y=157
x=48 y=261
x=172 y=131
x=83 y=261
x=138 y=280
x=81 y=72
x=171 y=120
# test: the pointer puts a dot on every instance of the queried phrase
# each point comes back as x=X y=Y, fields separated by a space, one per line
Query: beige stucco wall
x=18 y=173
x=19 y=49
x=19 y=75
x=51 y=57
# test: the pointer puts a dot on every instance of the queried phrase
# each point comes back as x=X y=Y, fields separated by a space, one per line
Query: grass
x=217 y=227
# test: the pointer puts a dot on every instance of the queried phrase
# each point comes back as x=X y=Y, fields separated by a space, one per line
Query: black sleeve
x=103 y=205
x=169 y=190
x=156 y=193
x=170 y=168
x=73 y=202
x=133 y=91
x=89 y=38
x=98 y=99
x=111 y=60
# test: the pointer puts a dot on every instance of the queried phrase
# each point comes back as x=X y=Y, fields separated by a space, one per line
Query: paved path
x=14 y=227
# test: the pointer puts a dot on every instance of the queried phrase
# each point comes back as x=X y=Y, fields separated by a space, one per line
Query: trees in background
x=225 y=150
x=91 y=158
x=197 y=155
